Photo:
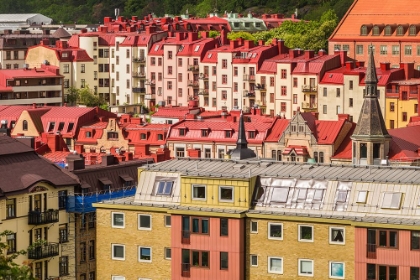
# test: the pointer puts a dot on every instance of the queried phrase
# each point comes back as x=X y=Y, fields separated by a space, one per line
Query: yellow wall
x=400 y=106
x=157 y=238
x=243 y=190
x=31 y=131
x=37 y=55
x=290 y=249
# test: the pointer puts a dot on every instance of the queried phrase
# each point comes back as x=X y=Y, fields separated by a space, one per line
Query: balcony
x=185 y=270
x=185 y=237
x=309 y=106
x=371 y=251
x=260 y=87
x=248 y=94
x=203 y=91
x=203 y=76
x=192 y=83
x=150 y=82
x=43 y=251
x=309 y=88
x=193 y=68
x=261 y=103
x=140 y=59
x=249 y=78
x=150 y=96
x=138 y=75
x=42 y=218
x=138 y=90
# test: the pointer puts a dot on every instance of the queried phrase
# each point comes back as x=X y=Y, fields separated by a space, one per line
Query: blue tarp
x=83 y=203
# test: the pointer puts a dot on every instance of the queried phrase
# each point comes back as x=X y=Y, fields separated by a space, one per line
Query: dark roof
x=21 y=168
x=242 y=151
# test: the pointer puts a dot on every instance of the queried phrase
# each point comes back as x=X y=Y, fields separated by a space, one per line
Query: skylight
x=157 y=48
x=196 y=48
x=164 y=187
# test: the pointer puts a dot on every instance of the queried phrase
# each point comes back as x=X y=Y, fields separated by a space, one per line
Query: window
x=153 y=61
x=200 y=225
x=82 y=252
x=283 y=107
x=82 y=83
x=306 y=267
x=271 y=81
x=383 y=49
x=224 y=79
x=382 y=238
x=224 y=63
x=391 y=124
x=168 y=253
x=114 y=278
x=10 y=208
x=337 y=92
x=169 y=54
x=283 y=73
x=359 y=49
x=91 y=249
x=404 y=116
x=283 y=90
x=64 y=265
x=66 y=68
x=384 y=272
x=337 y=270
x=395 y=50
x=324 y=109
x=275 y=231
x=25 y=125
x=254 y=227
x=145 y=254
x=167 y=221
x=254 y=260
x=11 y=243
x=199 y=192
x=82 y=68
x=392 y=106
x=361 y=197
x=63 y=233
x=306 y=232
x=228 y=133
x=350 y=102
x=224 y=260
x=145 y=222
x=275 y=265
x=62 y=199
x=180 y=152
x=325 y=93
x=204 y=132
x=226 y=194
x=415 y=240
x=200 y=258
x=118 y=220
x=164 y=187
x=224 y=227
x=407 y=50
x=92 y=275
x=337 y=235
x=414 y=273
x=391 y=200
x=179 y=62
x=118 y=252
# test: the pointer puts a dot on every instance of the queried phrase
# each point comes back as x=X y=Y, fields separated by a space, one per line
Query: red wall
x=402 y=257
x=214 y=243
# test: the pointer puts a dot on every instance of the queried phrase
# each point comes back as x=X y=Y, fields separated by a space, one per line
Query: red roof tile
x=277 y=130
x=405 y=143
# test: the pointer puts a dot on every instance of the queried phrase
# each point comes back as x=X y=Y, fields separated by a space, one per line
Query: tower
x=242 y=151
x=370 y=138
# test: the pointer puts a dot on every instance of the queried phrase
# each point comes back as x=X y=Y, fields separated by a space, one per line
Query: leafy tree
x=86 y=97
x=72 y=95
x=8 y=268
x=241 y=34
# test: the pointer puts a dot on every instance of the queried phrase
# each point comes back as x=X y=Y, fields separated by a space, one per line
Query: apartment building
x=33 y=207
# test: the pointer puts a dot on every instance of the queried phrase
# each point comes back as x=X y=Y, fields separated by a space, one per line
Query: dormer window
x=64 y=54
x=413 y=30
x=51 y=126
x=88 y=134
x=388 y=31
x=258 y=24
x=164 y=187
x=60 y=126
x=204 y=132
x=143 y=136
x=182 y=132
x=375 y=31
x=363 y=30
x=25 y=125
x=160 y=136
x=228 y=133
x=106 y=183
x=128 y=180
x=391 y=200
x=400 y=31
x=251 y=134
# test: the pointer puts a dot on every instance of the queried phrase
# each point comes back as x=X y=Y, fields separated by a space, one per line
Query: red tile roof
x=173 y=112
x=344 y=152
x=405 y=143
x=276 y=130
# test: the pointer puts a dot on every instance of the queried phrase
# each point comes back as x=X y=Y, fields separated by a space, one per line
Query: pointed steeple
x=242 y=151
x=370 y=137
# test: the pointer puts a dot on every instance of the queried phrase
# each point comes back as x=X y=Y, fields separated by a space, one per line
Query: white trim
x=330 y=270
x=299 y=267
x=299 y=233
x=269 y=231
x=269 y=264
x=164 y=253
x=250 y=260
x=118 y=277
x=145 y=247
x=362 y=197
x=164 y=220
x=198 y=198
x=144 y=228
x=220 y=194
x=250 y=227
x=112 y=252
x=335 y=242
x=112 y=219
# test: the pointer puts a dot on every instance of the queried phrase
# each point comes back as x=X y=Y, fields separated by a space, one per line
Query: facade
x=33 y=208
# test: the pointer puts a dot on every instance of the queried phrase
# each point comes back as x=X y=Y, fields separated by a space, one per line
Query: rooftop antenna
x=117 y=13
x=296 y=12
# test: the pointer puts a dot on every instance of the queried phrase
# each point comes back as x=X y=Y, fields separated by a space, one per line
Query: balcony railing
x=203 y=91
x=140 y=59
x=185 y=237
x=193 y=68
x=192 y=83
x=43 y=251
x=203 y=76
x=139 y=90
x=309 y=88
x=249 y=77
x=260 y=87
x=138 y=75
x=41 y=218
x=248 y=94
x=308 y=105
x=371 y=251
x=185 y=270
x=150 y=82
x=150 y=96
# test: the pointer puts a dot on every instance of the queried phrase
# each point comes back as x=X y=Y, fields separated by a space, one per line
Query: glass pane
x=337 y=235
x=306 y=267
x=280 y=194
x=168 y=188
x=371 y=236
x=145 y=221
x=337 y=269
x=371 y=271
x=224 y=227
x=145 y=253
x=195 y=225
x=254 y=226
x=185 y=256
x=414 y=273
x=185 y=223
x=382 y=238
x=161 y=186
x=393 y=239
x=119 y=251
x=275 y=230
x=226 y=193
x=318 y=194
x=306 y=233
x=205 y=259
x=415 y=238
x=205 y=226
x=393 y=273
x=382 y=272
x=275 y=264
x=196 y=258
x=118 y=219
x=302 y=194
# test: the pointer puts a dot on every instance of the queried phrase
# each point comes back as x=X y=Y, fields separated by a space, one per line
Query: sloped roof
x=277 y=130
x=405 y=143
x=61 y=33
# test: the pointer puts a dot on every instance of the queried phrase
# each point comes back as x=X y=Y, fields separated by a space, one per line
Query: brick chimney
x=192 y=36
x=349 y=65
x=223 y=37
x=322 y=52
x=408 y=69
x=75 y=162
x=386 y=66
x=309 y=54
x=107 y=160
x=344 y=117
x=248 y=44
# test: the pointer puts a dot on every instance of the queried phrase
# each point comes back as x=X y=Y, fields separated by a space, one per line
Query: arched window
x=400 y=30
x=363 y=30
x=413 y=30
x=25 y=125
x=375 y=31
x=388 y=30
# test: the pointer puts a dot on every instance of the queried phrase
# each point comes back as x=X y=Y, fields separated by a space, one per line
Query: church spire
x=242 y=151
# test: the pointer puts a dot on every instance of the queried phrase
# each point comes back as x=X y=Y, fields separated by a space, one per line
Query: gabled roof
x=405 y=143
x=277 y=130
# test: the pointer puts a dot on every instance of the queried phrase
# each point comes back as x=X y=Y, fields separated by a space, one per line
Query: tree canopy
x=85 y=96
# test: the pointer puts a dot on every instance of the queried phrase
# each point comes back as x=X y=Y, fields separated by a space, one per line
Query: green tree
x=72 y=96
x=8 y=268
x=241 y=34
x=86 y=97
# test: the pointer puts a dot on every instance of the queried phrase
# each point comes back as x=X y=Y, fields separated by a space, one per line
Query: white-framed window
x=275 y=231
x=199 y=192
x=253 y=227
x=118 y=252
x=167 y=221
x=168 y=253
x=226 y=194
x=337 y=235
x=337 y=270
x=254 y=260
x=118 y=278
x=275 y=265
x=164 y=187
x=141 y=278
x=361 y=196
x=306 y=233
x=305 y=267
x=145 y=254
x=391 y=200
x=145 y=222
x=118 y=220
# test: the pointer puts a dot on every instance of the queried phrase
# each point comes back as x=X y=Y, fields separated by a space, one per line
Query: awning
x=84 y=185
x=105 y=181
x=126 y=178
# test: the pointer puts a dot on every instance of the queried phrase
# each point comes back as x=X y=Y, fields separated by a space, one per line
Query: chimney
x=134 y=18
x=293 y=53
x=384 y=66
x=107 y=20
x=309 y=54
x=343 y=117
x=46 y=32
x=107 y=160
x=179 y=36
x=45 y=42
x=408 y=69
x=204 y=34
x=192 y=36
x=343 y=57
x=248 y=44
x=349 y=65
x=75 y=162
x=234 y=44
x=260 y=42
x=322 y=52
x=315 y=114
x=360 y=64
x=282 y=48
x=120 y=18
x=223 y=37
